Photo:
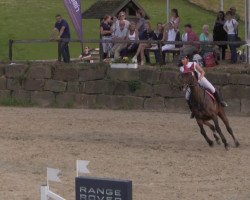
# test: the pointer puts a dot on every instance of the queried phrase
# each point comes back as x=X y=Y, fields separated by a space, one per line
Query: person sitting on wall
x=169 y=35
x=189 y=36
x=158 y=35
x=147 y=35
x=132 y=36
x=119 y=35
x=86 y=56
x=121 y=17
x=206 y=36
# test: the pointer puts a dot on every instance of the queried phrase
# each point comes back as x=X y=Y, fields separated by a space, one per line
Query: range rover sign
x=88 y=188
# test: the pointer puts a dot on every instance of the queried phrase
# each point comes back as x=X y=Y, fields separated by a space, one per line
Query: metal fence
x=99 y=42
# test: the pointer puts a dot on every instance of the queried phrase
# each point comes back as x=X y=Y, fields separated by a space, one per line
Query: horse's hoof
x=227 y=147
x=218 y=142
x=211 y=144
x=237 y=144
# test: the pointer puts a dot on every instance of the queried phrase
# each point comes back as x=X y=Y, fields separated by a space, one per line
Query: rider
x=192 y=67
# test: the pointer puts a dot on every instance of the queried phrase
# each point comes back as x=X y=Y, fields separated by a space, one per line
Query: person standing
x=230 y=27
x=219 y=34
x=235 y=14
x=106 y=33
x=64 y=36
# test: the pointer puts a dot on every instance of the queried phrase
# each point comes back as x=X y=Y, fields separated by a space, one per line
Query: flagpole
x=168 y=13
x=82 y=26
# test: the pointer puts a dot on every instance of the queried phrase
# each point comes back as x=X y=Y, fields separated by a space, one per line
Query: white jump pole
x=168 y=10
x=46 y=194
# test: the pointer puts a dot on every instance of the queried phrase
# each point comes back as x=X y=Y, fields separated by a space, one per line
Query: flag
x=74 y=9
x=82 y=166
x=53 y=175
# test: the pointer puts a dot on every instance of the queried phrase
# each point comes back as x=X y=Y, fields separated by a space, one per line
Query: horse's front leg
x=223 y=117
x=211 y=126
x=203 y=132
x=217 y=127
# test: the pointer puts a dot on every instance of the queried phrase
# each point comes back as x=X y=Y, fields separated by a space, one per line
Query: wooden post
x=160 y=52
x=11 y=50
x=100 y=46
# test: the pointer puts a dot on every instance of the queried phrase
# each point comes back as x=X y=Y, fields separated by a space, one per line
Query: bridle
x=188 y=83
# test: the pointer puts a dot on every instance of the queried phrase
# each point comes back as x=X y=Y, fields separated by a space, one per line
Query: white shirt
x=171 y=35
x=230 y=26
x=131 y=37
x=184 y=37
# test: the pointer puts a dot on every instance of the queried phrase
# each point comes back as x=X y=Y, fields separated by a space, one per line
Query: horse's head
x=187 y=80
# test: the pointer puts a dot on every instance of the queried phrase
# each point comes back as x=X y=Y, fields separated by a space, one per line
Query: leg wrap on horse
x=190 y=107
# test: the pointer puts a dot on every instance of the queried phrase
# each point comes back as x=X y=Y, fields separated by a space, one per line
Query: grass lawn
x=34 y=19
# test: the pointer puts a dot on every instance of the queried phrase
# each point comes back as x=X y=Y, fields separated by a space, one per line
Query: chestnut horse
x=206 y=109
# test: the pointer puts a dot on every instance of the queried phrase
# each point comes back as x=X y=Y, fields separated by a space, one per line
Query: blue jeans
x=64 y=44
x=233 y=49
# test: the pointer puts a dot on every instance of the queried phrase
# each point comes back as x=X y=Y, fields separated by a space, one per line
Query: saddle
x=211 y=95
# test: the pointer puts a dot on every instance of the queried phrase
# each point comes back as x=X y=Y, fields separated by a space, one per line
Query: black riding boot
x=190 y=107
x=219 y=99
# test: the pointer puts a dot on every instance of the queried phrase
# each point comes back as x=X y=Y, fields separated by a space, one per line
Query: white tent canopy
x=247 y=23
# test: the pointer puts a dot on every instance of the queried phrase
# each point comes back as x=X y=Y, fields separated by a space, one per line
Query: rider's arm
x=199 y=69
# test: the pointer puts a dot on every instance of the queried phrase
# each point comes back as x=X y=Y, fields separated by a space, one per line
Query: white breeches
x=204 y=83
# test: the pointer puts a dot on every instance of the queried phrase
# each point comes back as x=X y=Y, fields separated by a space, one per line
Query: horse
x=206 y=108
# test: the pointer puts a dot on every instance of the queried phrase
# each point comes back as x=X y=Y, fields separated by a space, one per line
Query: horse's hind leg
x=211 y=126
x=217 y=127
x=203 y=132
x=223 y=117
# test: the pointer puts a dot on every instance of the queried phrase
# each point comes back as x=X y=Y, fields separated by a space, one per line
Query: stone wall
x=98 y=86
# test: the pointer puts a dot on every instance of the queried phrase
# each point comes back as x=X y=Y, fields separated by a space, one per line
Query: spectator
x=158 y=35
x=206 y=36
x=235 y=14
x=141 y=22
x=121 y=16
x=106 y=33
x=147 y=35
x=230 y=27
x=175 y=18
x=132 y=35
x=169 y=35
x=64 y=36
x=141 y=28
x=86 y=56
x=189 y=36
x=219 y=34
x=119 y=35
